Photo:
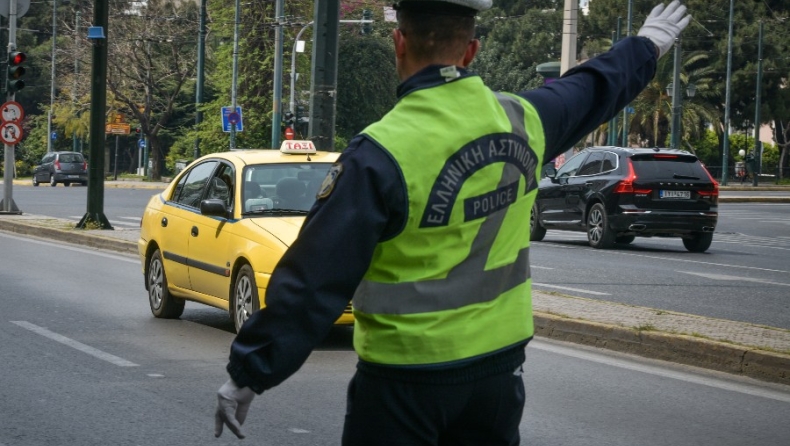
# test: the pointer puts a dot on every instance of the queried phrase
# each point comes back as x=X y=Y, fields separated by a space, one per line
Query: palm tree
x=649 y=124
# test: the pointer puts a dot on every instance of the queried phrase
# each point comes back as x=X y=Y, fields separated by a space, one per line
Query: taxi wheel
x=163 y=305
x=244 y=300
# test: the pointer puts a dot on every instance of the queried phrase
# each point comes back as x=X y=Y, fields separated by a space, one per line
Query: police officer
x=423 y=221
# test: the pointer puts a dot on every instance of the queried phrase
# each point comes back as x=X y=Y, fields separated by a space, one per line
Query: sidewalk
x=736 y=347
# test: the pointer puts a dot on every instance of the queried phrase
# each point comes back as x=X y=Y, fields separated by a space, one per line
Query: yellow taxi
x=218 y=230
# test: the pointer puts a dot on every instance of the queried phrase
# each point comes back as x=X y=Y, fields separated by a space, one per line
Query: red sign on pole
x=289 y=133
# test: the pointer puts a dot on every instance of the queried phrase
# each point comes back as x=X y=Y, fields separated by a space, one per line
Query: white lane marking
x=578 y=290
x=73 y=248
x=540 y=267
x=734 y=278
x=671 y=259
x=112 y=359
x=296 y=430
x=660 y=371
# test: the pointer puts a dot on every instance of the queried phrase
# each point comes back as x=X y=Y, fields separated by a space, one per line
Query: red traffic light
x=17 y=58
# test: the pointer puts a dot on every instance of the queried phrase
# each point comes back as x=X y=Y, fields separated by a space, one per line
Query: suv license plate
x=675 y=194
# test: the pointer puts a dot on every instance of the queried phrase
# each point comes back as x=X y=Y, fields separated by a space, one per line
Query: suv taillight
x=626 y=185
x=710 y=193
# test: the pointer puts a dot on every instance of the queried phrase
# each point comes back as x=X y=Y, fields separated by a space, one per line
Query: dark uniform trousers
x=382 y=411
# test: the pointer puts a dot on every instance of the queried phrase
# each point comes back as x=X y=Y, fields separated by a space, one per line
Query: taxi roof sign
x=297 y=147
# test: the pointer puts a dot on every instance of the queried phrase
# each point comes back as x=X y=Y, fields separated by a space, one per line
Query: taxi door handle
x=164 y=222
x=194 y=231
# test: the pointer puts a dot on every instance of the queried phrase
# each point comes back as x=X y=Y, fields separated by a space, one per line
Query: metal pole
x=625 y=110
x=52 y=74
x=200 y=69
x=115 y=162
x=292 y=102
x=95 y=211
x=757 y=109
x=677 y=98
x=278 y=75
x=76 y=70
x=323 y=91
x=570 y=20
x=235 y=74
x=726 y=148
x=7 y=206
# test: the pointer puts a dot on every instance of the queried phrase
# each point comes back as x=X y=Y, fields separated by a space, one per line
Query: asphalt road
x=743 y=277
x=83 y=362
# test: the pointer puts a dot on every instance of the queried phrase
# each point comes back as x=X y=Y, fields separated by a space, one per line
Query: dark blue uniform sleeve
x=317 y=276
x=590 y=94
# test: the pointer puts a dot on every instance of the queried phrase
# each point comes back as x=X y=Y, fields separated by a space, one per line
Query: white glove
x=232 y=406
x=664 y=25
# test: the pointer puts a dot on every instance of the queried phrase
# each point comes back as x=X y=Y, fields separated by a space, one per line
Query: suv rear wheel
x=536 y=231
x=598 y=233
x=698 y=242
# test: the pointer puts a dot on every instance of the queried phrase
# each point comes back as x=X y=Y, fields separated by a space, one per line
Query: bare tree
x=151 y=57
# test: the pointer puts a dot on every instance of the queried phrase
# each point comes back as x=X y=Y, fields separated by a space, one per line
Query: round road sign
x=11 y=133
x=233 y=118
x=12 y=111
x=289 y=133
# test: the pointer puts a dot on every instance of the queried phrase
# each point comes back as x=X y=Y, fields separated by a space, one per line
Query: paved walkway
x=737 y=347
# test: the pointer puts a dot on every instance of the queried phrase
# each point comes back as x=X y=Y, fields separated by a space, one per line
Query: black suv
x=61 y=167
x=616 y=194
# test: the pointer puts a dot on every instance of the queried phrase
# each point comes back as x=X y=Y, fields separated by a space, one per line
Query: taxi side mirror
x=214 y=207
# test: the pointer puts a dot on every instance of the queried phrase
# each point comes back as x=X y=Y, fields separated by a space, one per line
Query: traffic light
x=16 y=72
x=367 y=28
x=289 y=119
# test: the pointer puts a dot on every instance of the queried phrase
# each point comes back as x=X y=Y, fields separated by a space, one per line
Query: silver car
x=61 y=167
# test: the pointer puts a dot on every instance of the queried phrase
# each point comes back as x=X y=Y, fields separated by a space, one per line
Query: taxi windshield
x=274 y=189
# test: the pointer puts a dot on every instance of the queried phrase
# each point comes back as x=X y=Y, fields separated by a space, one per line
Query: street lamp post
x=676 y=99
x=677 y=111
x=292 y=102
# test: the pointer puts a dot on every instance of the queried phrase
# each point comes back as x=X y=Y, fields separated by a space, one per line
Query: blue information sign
x=229 y=118
x=54 y=135
x=141 y=143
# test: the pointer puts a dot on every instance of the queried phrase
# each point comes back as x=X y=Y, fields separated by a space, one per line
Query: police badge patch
x=329 y=182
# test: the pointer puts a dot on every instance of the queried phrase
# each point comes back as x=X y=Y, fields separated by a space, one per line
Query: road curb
x=731 y=358
x=754 y=199
x=76 y=236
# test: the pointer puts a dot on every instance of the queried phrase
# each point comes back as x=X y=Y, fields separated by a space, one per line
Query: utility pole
x=323 y=97
x=278 y=74
x=570 y=21
x=726 y=148
x=95 y=212
x=757 y=98
x=52 y=74
x=200 y=82
x=235 y=78
x=625 y=110
x=76 y=70
x=612 y=136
